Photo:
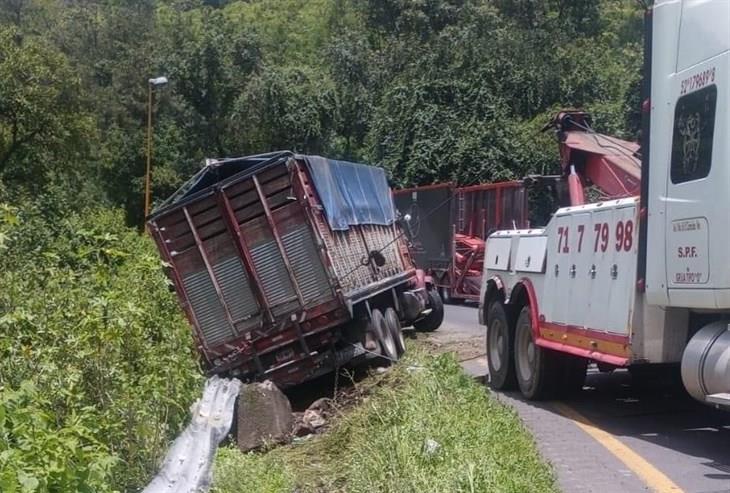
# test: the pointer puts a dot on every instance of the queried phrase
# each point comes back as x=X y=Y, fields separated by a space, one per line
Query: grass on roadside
x=426 y=427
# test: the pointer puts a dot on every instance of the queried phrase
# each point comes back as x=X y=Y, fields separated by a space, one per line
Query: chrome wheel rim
x=526 y=354
x=497 y=344
x=386 y=339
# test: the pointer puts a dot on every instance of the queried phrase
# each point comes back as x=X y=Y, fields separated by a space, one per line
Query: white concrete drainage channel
x=188 y=465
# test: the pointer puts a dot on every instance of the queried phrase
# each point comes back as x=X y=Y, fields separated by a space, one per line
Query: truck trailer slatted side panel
x=351 y=247
x=279 y=253
x=266 y=281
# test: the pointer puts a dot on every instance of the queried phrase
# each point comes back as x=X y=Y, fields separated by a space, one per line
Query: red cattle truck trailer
x=449 y=226
x=289 y=266
x=640 y=277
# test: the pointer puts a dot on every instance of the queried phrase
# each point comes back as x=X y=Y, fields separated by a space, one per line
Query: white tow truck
x=640 y=277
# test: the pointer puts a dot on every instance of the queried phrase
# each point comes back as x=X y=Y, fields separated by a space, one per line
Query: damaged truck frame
x=290 y=266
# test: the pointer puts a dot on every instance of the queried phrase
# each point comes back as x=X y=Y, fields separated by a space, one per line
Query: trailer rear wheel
x=448 y=298
x=393 y=323
x=433 y=320
x=500 y=346
x=538 y=369
x=445 y=295
x=385 y=337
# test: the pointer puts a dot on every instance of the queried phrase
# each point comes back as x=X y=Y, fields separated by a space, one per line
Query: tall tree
x=43 y=128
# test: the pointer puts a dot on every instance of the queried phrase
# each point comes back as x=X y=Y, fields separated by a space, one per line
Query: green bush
x=38 y=454
x=96 y=363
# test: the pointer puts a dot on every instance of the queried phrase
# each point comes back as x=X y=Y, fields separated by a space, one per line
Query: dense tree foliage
x=430 y=89
x=95 y=357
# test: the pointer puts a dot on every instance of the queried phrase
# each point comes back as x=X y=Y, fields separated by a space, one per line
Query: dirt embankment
x=460 y=334
x=465 y=347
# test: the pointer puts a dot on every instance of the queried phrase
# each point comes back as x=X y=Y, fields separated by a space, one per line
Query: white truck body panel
x=659 y=333
x=498 y=257
x=531 y=254
x=688 y=226
x=587 y=265
x=511 y=271
x=586 y=278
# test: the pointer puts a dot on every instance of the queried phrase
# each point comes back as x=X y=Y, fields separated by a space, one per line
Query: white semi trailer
x=640 y=277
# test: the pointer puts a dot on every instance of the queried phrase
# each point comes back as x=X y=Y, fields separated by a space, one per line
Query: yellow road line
x=653 y=477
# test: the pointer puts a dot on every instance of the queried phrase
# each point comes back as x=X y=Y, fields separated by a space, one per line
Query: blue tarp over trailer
x=352 y=194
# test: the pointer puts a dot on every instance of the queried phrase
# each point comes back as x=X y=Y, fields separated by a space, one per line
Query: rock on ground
x=264 y=416
x=315 y=418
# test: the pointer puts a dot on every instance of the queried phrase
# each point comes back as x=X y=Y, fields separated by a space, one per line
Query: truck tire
x=445 y=295
x=537 y=369
x=385 y=337
x=500 y=348
x=433 y=320
x=393 y=323
x=448 y=298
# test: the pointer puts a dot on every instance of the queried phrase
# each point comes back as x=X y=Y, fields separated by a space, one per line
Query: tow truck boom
x=612 y=165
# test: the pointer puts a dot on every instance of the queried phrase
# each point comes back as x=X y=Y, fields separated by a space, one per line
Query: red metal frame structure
x=611 y=164
x=473 y=213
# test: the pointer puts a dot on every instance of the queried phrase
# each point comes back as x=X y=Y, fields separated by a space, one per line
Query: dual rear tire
x=393 y=323
x=500 y=348
x=387 y=330
x=515 y=360
x=433 y=320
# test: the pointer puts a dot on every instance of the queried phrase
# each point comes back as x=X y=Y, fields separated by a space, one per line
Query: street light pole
x=151 y=85
x=149 y=153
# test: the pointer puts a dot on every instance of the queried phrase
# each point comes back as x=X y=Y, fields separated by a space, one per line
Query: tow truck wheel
x=537 y=368
x=393 y=324
x=500 y=344
x=385 y=337
x=433 y=320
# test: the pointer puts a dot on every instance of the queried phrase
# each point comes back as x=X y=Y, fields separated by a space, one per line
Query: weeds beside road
x=97 y=368
x=424 y=427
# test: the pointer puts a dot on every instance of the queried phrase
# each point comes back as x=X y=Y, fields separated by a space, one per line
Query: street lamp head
x=153 y=84
x=158 y=82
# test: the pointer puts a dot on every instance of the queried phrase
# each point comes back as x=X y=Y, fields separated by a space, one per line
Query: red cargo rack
x=264 y=281
x=450 y=245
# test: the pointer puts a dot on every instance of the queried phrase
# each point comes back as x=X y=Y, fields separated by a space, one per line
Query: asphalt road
x=616 y=435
